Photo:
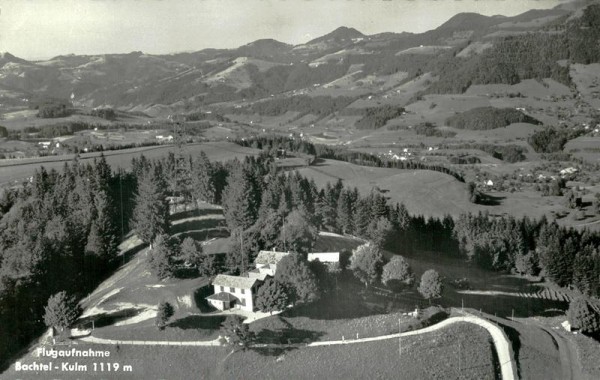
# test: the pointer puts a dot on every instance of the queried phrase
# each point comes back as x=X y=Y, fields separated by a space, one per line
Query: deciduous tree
x=397 y=271
x=366 y=263
x=237 y=332
x=300 y=283
x=298 y=233
x=431 y=285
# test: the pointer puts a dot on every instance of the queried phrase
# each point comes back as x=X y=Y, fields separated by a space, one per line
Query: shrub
x=164 y=312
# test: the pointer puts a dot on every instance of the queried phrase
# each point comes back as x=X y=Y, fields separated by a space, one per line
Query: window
x=243 y=291
x=222 y=288
x=231 y=290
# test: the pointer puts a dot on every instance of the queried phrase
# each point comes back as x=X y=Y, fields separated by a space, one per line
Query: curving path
x=501 y=342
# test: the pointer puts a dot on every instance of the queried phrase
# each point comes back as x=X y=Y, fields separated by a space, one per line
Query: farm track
x=500 y=340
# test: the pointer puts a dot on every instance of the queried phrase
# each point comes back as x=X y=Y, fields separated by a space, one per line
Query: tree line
x=342 y=154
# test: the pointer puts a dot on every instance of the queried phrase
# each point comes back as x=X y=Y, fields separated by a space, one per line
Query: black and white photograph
x=300 y=189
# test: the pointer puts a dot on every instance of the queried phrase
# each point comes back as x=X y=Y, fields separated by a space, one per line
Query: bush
x=164 y=312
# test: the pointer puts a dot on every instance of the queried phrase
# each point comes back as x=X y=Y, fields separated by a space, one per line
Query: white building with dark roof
x=240 y=291
x=234 y=291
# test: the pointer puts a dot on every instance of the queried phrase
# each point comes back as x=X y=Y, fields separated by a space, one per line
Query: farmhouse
x=240 y=291
x=234 y=291
x=266 y=261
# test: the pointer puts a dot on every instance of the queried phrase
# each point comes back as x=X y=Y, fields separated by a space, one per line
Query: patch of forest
x=552 y=140
x=484 y=118
x=377 y=117
x=316 y=105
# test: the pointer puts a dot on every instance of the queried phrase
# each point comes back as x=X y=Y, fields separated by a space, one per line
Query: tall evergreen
x=202 y=181
x=151 y=212
x=240 y=199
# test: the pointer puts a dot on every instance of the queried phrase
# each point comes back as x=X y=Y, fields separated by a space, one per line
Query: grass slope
x=422 y=191
x=433 y=355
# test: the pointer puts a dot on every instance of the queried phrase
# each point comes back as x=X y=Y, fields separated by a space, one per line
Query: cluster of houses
x=239 y=292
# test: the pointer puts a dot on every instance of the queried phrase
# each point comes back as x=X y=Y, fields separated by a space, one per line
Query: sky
x=40 y=29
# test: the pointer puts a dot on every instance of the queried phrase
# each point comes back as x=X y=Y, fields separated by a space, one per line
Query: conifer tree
x=151 y=212
x=61 y=311
x=240 y=203
x=203 y=186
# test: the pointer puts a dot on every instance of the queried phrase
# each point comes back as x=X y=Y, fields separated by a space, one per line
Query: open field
x=16 y=170
x=433 y=355
x=422 y=191
x=586 y=148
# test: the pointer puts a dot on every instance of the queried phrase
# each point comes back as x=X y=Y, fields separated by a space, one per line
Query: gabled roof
x=255 y=273
x=222 y=296
x=234 y=281
x=270 y=257
x=324 y=257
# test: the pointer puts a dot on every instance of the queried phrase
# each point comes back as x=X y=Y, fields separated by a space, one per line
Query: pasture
x=433 y=355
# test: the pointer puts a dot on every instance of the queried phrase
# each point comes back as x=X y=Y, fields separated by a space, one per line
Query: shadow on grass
x=129 y=254
x=199 y=322
x=186 y=273
x=108 y=319
x=335 y=306
x=284 y=336
x=205 y=234
x=490 y=200
x=195 y=225
x=194 y=213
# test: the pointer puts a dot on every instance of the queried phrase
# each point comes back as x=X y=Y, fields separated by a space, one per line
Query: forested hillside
x=488 y=118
